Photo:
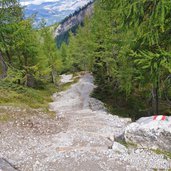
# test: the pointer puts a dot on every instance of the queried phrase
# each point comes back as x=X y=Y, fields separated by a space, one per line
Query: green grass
x=165 y=153
x=4 y=118
x=17 y=95
x=127 y=144
x=26 y=98
x=14 y=94
x=67 y=85
x=18 y=101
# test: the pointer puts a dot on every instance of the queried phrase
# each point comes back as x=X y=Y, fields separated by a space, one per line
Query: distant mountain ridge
x=74 y=19
x=71 y=23
x=52 y=11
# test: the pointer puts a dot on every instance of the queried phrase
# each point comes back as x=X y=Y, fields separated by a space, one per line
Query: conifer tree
x=128 y=45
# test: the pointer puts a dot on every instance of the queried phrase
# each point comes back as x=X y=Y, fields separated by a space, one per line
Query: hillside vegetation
x=127 y=46
x=29 y=60
x=71 y=23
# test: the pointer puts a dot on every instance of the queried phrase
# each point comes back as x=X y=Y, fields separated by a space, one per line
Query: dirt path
x=79 y=139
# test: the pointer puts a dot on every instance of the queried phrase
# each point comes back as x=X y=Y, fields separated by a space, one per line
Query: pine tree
x=54 y=61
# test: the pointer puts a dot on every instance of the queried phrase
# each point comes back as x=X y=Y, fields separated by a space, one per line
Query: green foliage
x=14 y=94
x=31 y=55
x=126 y=45
x=15 y=75
x=31 y=59
x=52 y=57
x=165 y=153
x=3 y=118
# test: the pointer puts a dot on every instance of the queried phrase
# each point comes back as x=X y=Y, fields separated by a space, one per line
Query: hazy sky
x=62 y=4
x=37 y=2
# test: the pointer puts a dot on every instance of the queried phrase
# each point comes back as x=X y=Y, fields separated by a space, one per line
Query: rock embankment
x=6 y=166
x=149 y=132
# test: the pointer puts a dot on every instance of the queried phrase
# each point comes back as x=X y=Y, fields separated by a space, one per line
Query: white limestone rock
x=66 y=78
x=117 y=147
x=149 y=133
x=6 y=166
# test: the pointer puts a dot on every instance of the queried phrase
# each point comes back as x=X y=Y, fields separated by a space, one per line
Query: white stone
x=149 y=133
x=117 y=147
x=66 y=78
x=6 y=166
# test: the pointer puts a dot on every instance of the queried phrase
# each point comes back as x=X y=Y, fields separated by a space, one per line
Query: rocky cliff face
x=74 y=20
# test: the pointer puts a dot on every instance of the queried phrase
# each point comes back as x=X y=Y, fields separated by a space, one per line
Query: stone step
x=6 y=166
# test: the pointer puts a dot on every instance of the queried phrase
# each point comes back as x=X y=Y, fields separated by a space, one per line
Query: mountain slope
x=72 y=22
x=52 y=10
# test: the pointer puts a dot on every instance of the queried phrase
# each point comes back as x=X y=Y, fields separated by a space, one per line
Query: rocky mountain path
x=80 y=138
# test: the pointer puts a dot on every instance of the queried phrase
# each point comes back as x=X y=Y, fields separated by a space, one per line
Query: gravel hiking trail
x=80 y=138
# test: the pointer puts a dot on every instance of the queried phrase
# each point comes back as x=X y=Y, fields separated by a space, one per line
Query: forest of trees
x=126 y=45
x=27 y=55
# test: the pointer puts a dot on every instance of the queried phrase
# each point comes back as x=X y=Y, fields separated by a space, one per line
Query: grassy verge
x=17 y=101
x=128 y=145
x=15 y=95
x=4 y=117
x=165 y=153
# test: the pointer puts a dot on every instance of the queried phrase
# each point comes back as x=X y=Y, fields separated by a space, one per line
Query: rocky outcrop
x=74 y=20
x=96 y=105
x=119 y=148
x=6 y=166
x=150 y=133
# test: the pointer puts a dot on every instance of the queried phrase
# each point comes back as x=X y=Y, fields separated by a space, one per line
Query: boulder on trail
x=119 y=148
x=66 y=78
x=150 y=132
x=6 y=166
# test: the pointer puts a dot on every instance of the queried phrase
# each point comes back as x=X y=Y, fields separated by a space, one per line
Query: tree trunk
x=155 y=102
x=3 y=67
x=30 y=81
x=53 y=74
x=6 y=51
